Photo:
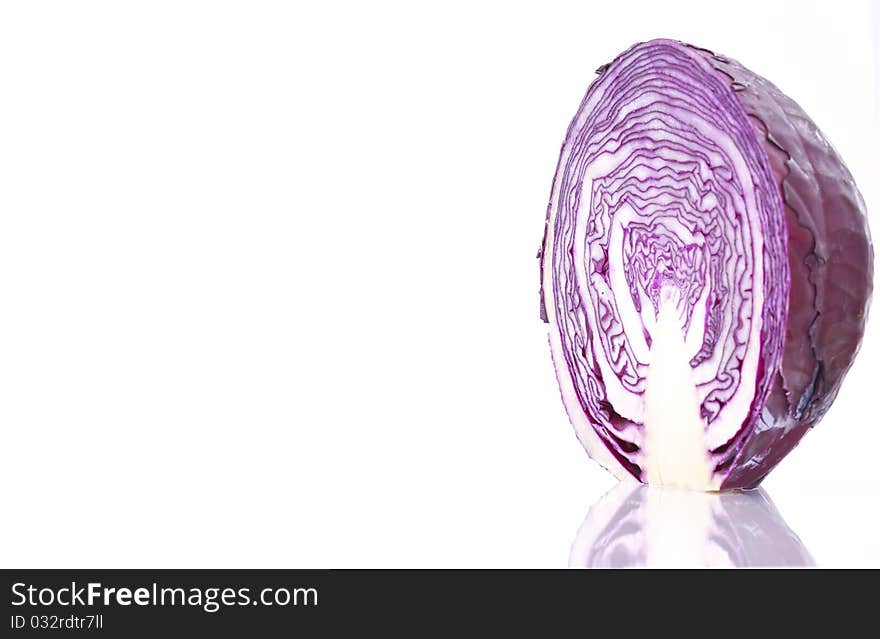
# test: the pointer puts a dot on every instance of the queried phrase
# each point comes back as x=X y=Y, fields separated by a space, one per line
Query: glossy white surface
x=634 y=526
x=268 y=294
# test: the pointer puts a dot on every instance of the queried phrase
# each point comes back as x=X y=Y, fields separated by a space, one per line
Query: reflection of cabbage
x=706 y=270
x=640 y=526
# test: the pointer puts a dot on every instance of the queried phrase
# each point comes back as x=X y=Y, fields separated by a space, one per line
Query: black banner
x=262 y=603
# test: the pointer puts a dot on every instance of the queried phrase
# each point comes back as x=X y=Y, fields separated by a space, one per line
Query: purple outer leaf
x=831 y=261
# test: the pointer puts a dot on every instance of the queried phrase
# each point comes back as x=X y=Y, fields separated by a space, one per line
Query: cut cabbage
x=706 y=270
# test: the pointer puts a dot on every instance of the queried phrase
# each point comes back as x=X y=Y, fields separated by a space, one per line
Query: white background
x=268 y=288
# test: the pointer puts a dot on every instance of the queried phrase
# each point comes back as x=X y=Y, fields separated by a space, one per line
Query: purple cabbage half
x=706 y=270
